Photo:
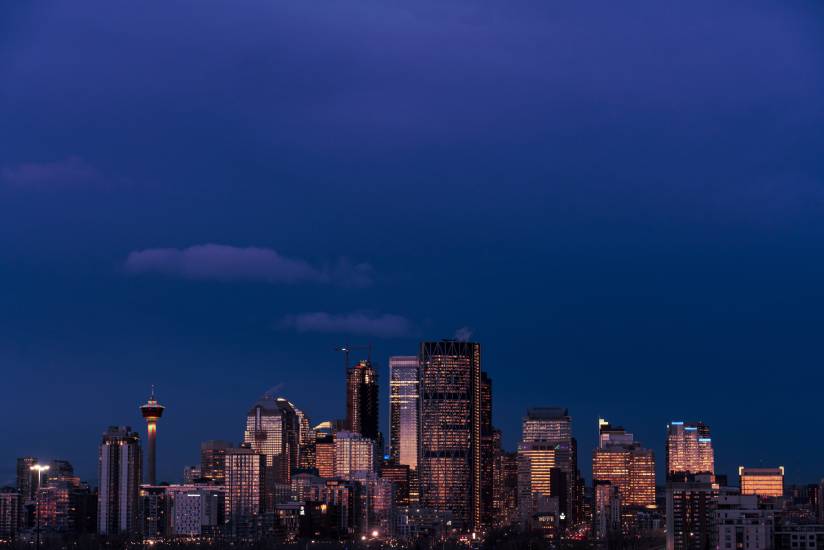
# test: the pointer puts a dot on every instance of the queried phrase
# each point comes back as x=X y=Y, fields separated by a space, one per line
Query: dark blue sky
x=623 y=202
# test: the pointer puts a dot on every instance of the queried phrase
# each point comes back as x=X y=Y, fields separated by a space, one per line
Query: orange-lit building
x=629 y=468
x=689 y=449
x=764 y=482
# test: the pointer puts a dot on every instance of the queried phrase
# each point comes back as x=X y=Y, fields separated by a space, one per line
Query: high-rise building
x=191 y=474
x=764 y=482
x=151 y=411
x=272 y=429
x=9 y=513
x=606 y=510
x=362 y=400
x=119 y=478
x=325 y=454
x=540 y=479
x=450 y=458
x=487 y=452
x=244 y=481
x=306 y=442
x=404 y=410
x=620 y=460
x=689 y=448
x=504 y=487
x=548 y=429
x=213 y=460
x=354 y=453
x=27 y=486
x=742 y=525
x=692 y=501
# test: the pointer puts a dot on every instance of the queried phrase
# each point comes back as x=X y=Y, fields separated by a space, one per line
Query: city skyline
x=623 y=204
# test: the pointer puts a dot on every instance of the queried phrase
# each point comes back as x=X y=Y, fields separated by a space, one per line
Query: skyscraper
x=119 y=478
x=625 y=464
x=213 y=460
x=764 y=482
x=26 y=486
x=450 y=459
x=272 y=430
x=245 y=472
x=403 y=410
x=487 y=451
x=689 y=448
x=362 y=400
x=151 y=411
x=9 y=512
x=546 y=443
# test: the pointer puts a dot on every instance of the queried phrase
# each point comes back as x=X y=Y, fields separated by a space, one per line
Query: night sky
x=622 y=201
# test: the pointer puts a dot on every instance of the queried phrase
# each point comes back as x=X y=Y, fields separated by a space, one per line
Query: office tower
x=151 y=411
x=621 y=460
x=362 y=400
x=764 y=482
x=692 y=501
x=9 y=512
x=244 y=482
x=27 y=486
x=742 y=524
x=548 y=429
x=606 y=510
x=119 y=477
x=505 y=488
x=450 y=430
x=540 y=478
x=213 y=460
x=404 y=410
x=689 y=448
x=487 y=451
x=325 y=454
x=272 y=430
x=306 y=441
x=354 y=453
x=191 y=474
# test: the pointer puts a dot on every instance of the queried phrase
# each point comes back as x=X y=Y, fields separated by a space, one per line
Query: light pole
x=39 y=469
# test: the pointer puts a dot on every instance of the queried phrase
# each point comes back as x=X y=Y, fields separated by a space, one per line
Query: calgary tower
x=152 y=411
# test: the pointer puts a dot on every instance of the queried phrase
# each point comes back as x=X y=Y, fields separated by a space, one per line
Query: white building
x=742 y=525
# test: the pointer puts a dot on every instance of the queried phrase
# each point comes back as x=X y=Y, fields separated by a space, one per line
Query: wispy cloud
x=382 y=326
x=70 y=171
x=230 y=263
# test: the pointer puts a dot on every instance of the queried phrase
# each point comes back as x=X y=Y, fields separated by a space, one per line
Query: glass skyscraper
x=404 y=410
x=689 y=448
x=450 y=459
x=362 y=400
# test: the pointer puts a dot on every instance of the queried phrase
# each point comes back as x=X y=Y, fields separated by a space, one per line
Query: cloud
x=70 y=171
x=229 y=263
x=382 y=326
x=463 y=334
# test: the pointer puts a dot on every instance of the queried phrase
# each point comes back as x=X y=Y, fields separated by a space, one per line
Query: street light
x=39 y=469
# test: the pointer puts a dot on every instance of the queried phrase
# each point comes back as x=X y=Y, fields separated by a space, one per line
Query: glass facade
x=689 y=448
x=362 y=400
x=403 y=410
x=450 y=461
x=354 y=454
x=119 y=478
x=244 y=486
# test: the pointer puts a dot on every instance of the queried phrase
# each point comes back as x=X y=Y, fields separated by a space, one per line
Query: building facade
x=119 y=477
x=362 y=400
x=450 y=458
x=764 y=482
x=692 y=501
x=689 y=448
x=213 y=460
x=354 y=454
x=404 y=409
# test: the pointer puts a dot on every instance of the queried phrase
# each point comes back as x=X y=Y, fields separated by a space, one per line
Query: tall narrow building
x=244 y=480
x=689 y=449
x=487 y=452
x=151 y=411
x=547 y=444
x=119 y=468
x=403 y=410
x=362 y=400
x=272 y=429
x=450 y=459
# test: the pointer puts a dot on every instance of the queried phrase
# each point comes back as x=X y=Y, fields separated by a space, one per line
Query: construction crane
x=347 y=349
